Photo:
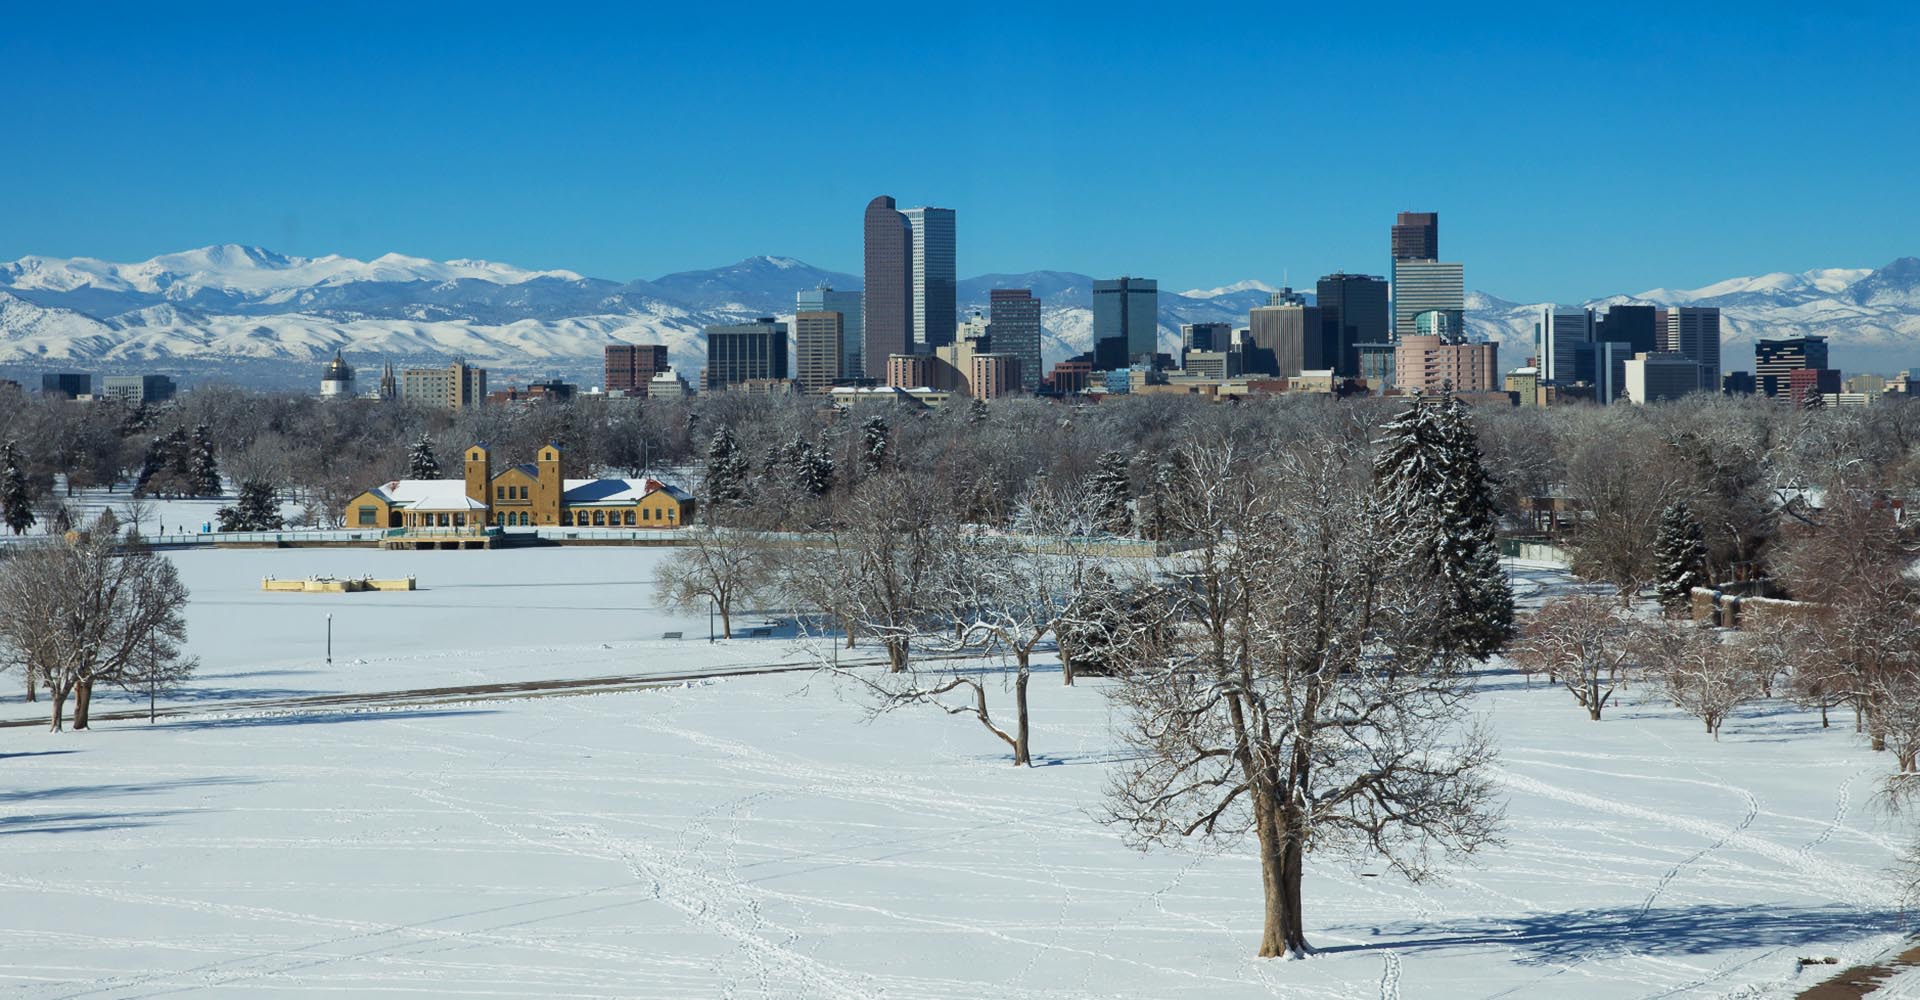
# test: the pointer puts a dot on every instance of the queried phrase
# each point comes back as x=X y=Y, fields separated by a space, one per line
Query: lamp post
x=710 y=609
x=329 y=639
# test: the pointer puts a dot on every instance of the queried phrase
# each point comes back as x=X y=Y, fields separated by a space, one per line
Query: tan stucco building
x=530 y=494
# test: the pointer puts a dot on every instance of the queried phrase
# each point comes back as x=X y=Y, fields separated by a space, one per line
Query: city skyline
x=445 y=160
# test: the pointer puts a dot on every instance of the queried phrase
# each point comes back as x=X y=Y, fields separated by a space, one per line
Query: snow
x=751 y=837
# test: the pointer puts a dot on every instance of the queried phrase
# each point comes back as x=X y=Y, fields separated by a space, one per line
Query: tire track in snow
x=1390 y=976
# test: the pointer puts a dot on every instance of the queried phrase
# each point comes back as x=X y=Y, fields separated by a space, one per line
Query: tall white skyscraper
x=1558 y=339
x=935 y=305
x=1422 y=285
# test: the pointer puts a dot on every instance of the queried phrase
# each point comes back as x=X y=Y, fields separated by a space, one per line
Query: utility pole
x=329 y=639
x=710 y=609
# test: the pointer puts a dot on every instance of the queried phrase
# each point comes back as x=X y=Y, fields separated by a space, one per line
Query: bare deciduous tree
x=729 y=567
x=1585 y=642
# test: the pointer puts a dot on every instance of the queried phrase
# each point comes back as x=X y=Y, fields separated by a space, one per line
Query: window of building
x=629 y=517
x=522 y=491
x=499 y=492
x=368 y=516
x=599 y=518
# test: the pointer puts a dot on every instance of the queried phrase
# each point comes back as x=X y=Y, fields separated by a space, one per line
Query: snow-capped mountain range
x=227 y=303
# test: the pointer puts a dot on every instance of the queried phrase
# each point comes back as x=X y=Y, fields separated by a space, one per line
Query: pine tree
x=421 y=462
x=727 y=472
x=875 y=440
x=16 y=500
x=1429 y=476
x=1680 y=553
x=1111 y=489
x=977 y=412
x=815 y=471
x=205 y=470
x=255 y=510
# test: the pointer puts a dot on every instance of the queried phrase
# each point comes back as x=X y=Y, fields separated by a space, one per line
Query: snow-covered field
x=754 y=837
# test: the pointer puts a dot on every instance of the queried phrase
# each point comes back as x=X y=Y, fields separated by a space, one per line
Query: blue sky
x=1571 y=153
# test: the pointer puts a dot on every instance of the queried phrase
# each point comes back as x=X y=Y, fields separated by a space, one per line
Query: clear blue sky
x=1570 y=152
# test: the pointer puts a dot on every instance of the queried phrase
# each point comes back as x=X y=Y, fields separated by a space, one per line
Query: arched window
x=629 y=517
x=599 y=518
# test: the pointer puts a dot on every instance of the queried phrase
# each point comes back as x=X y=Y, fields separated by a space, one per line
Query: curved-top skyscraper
x=888 y=294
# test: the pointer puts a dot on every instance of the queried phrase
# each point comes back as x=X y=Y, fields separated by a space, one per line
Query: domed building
x=337 y=381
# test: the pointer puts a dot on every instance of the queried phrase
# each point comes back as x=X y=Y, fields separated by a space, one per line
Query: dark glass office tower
x=1416 y=236
x=1126 y=321
x=1636 y=326
x=888 y=306
x=1014 y=328
x=1353 y=309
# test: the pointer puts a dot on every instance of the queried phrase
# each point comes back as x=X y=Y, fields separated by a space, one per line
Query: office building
x=910 y=371
x=1206 y=337
x=1218 y=365
x=1524 y=383
x=1637 y=326
x=630 y=368
x=1070 y=378
x=738 y=353
x=1557 y=340
x=1430 y=364
x=887 y=298
x=1450 y=325
x=336 y=380
x=136 y=389
x=933 y=304
x=993 y=375
x=1014 y=328
x=1374 y=365
x=455 y=386
x=1126 y=321
x=1774 y=360
x=1660 y=376
x=1355 y=310
x=852 y=337
x=1423 y=285
x=819 y=345
x=1867 y=385
x=1416 y=236
x=72 y=385
x=1695 y=333
x=1738 y=384
x=1805 y=382
x=666 y=384
x=1610 y=359
x=1288 y=337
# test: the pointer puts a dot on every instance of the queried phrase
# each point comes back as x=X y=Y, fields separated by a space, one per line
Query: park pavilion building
x=530 y=494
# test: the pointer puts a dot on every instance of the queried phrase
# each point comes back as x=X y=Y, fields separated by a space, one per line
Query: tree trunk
x=33 y=683
x=1294 y=857
x=1823 y=715
x=58 y=695
x=1593 y=700
x=726 y=622
x=82 y=700
x=1273 y=935
x=1021 y=755
x=896 y=654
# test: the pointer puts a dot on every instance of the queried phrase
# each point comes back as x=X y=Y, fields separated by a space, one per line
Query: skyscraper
x=887 y=313
x=739 y=352
x=630 y=368
x=1014 y=328
x=1557 y=340
x=1206 y=337
x=1288 y=337
x=1126 y=321
x=1354 y=309
x=1775 y=360
x=1423 y=285
x=847 y=304
x=1629 y=324
x=1416 y=236
x=934 y=308
x=1694 y=331
x=818 y=346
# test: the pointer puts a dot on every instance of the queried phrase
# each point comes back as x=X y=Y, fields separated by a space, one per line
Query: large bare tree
x=729 y=567
x=1301 y=690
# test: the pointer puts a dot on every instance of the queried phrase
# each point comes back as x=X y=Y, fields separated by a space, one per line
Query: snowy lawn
x=751 y=837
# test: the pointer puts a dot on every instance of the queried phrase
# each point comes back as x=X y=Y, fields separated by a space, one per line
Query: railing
x=466 y=531
x=292 y=536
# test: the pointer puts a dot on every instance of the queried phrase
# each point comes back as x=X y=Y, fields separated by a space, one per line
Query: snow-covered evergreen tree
x=16 y=499
x=1680 y=555
x=1110 y=491
x=421 y=461
x=816 y=471
x=205 y=469
x=727 y=472
x=876 y=440
x=1428 y=472
x=977 y=412
x=255 y=510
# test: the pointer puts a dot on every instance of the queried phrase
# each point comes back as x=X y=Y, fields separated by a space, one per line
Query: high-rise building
x=1416 y=236
x=1630 y=324
x=847 y=304
x=746 y=352
x=994 y=375
x=1288 y=337
x=1662 y=375
x=136 y=389
x=1694 y=331
x=69 y=384
x=819 y=344
x=1557 y=339
x=1126 y=321
x=336 y=380
x=1805 y=382
x=1774 y=360
x=1423 y=285
x=934 y=307
x=1206 y=337
x=1375 y=364
x=1355 y=310
x=455 y=386
x=887 y=298
x=630 y=368
x=910 y=371
x=1430 y=364
x=1610 y=359
x=1014 y=328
